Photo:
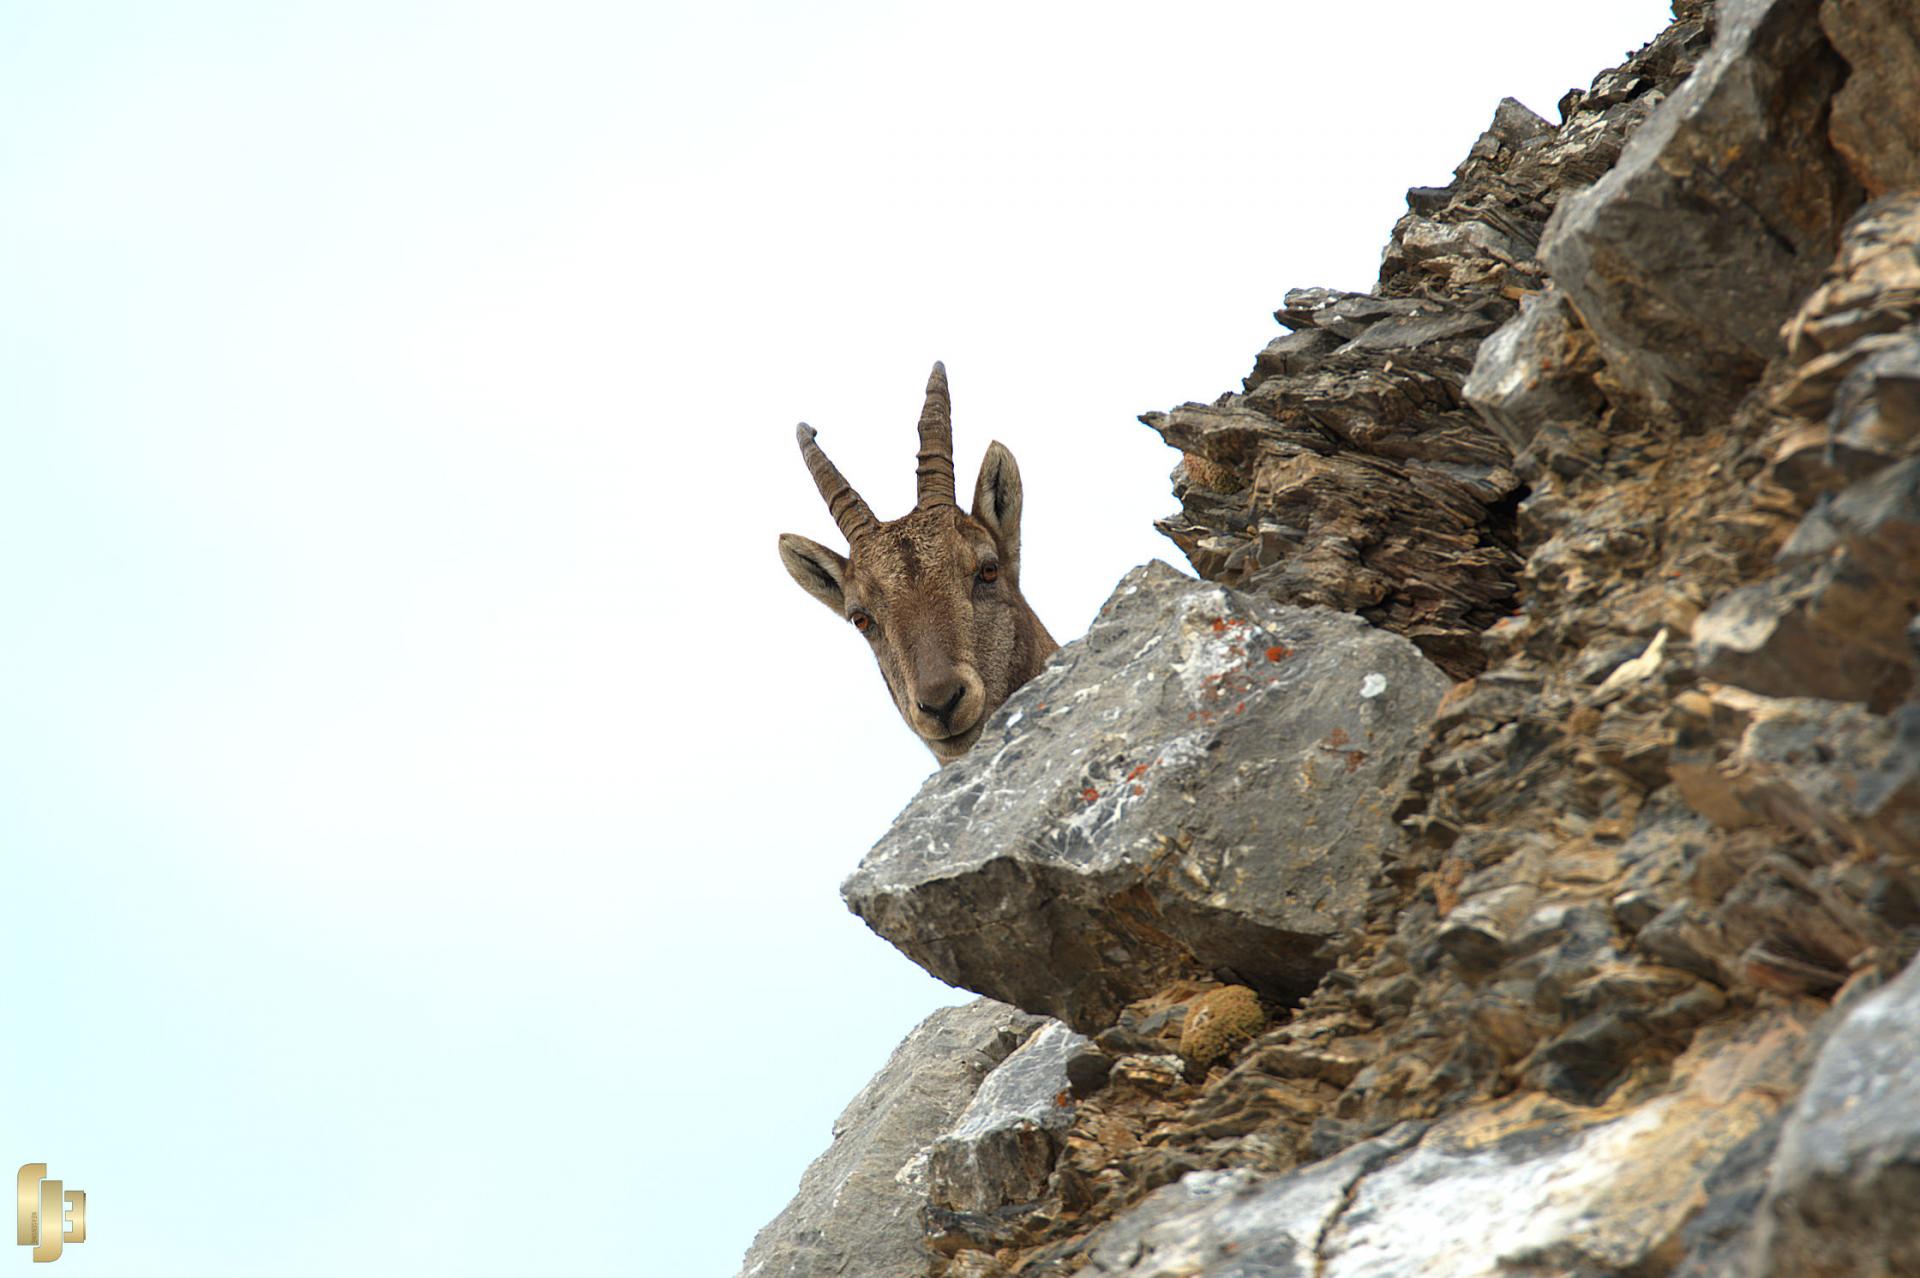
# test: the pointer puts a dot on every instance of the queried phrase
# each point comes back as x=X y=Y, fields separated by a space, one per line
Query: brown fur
x=938 y=589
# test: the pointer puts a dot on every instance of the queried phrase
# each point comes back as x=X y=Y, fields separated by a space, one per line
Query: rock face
x=1612 y=970
x=1351 y=472
x=1002 y=1149
x=1845 y=1193
x=1720 y=214
x=1851 y=569
x=1204 y=783
x=1523 y=1185
x=1876 y=113
x=858 y=1209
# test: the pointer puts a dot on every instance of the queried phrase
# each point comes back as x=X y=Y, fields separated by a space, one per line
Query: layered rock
x=1851 y=569
x=859 y=1205
x=1845 y=1189
x=1522 y=1185
x=1350 y=471
x=999 y=1154
x=1657 y=851
x=1720 y=214
x=1203 y=784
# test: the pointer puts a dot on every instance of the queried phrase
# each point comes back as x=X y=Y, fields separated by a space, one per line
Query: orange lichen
x=1279 y=652
x=1089 y=794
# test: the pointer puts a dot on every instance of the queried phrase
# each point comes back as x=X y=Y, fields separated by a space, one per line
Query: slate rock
x=859 y=1206
x=1720 y=1237
x=1721 y=213
x=1293 y=352
x=1830 y=769
x=1873 y=286
x=1845 y=1191
x=1877 y=408
x=1520 y=1185
x=1003 y=1146
x=1536 y=371
x=1222 y=1223
x=1203 y=785
x=1876 y=114
x=1834 y=624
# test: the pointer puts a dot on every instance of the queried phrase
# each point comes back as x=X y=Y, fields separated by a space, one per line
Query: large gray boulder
x=858 y=1210
x=1844 y=1201
x=1204 y=784
x=1720 y=215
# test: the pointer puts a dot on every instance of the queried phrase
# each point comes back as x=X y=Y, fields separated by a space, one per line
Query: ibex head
x=935 y=593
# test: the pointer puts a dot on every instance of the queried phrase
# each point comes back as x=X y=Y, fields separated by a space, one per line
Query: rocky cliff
x=1507 y=857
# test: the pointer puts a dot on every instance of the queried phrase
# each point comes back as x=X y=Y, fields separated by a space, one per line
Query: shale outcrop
x=1591 y=952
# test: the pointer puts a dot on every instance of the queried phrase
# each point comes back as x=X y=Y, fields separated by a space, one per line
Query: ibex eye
x=861 y=622
x=989 y=571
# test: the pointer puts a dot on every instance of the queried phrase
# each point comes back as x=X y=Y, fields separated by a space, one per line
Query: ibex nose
x=941 y=700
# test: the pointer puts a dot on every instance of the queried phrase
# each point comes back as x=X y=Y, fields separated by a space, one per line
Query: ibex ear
x=820 y=572
x=996 y=503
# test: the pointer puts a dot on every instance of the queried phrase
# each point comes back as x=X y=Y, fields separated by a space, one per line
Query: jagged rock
x=858 y=1209
x=1774 y=637
x=1536 y=373
x=1204 y=784
x=1876 y=113
x=1845 y=1190
x=1351 y=473
x=1214 y=1224
x=1719 y=1238
x=1685 y=258
x=1832 y=770
x=1089 y=1068
x=1854 y=348
x=1873 y=286
x=1877 y=408
x=1834 y=624
x=1524 y=1185
x=1002 y=1149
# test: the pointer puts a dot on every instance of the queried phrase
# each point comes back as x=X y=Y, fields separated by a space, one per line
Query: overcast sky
x=422 y=793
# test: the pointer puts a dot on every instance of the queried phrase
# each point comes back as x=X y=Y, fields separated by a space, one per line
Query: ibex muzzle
x=936 y=593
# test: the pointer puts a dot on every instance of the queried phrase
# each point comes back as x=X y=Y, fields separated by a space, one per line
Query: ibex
x=935 y=593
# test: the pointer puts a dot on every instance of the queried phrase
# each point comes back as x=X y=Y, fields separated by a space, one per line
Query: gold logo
x=47 y=1211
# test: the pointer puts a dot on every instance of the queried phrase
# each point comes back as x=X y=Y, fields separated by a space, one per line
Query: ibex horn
x=844 y=504
x=935 y=469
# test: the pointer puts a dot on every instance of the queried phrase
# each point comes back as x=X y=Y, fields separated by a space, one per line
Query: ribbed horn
x=935 y=468
x=844 y=504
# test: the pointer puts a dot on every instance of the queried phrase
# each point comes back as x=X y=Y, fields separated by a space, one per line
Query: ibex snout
x=949 y=705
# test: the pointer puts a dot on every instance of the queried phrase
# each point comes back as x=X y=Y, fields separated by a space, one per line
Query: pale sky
x=423 y=794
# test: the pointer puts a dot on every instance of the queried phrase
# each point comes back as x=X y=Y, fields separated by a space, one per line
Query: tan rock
x=1219 y=1022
